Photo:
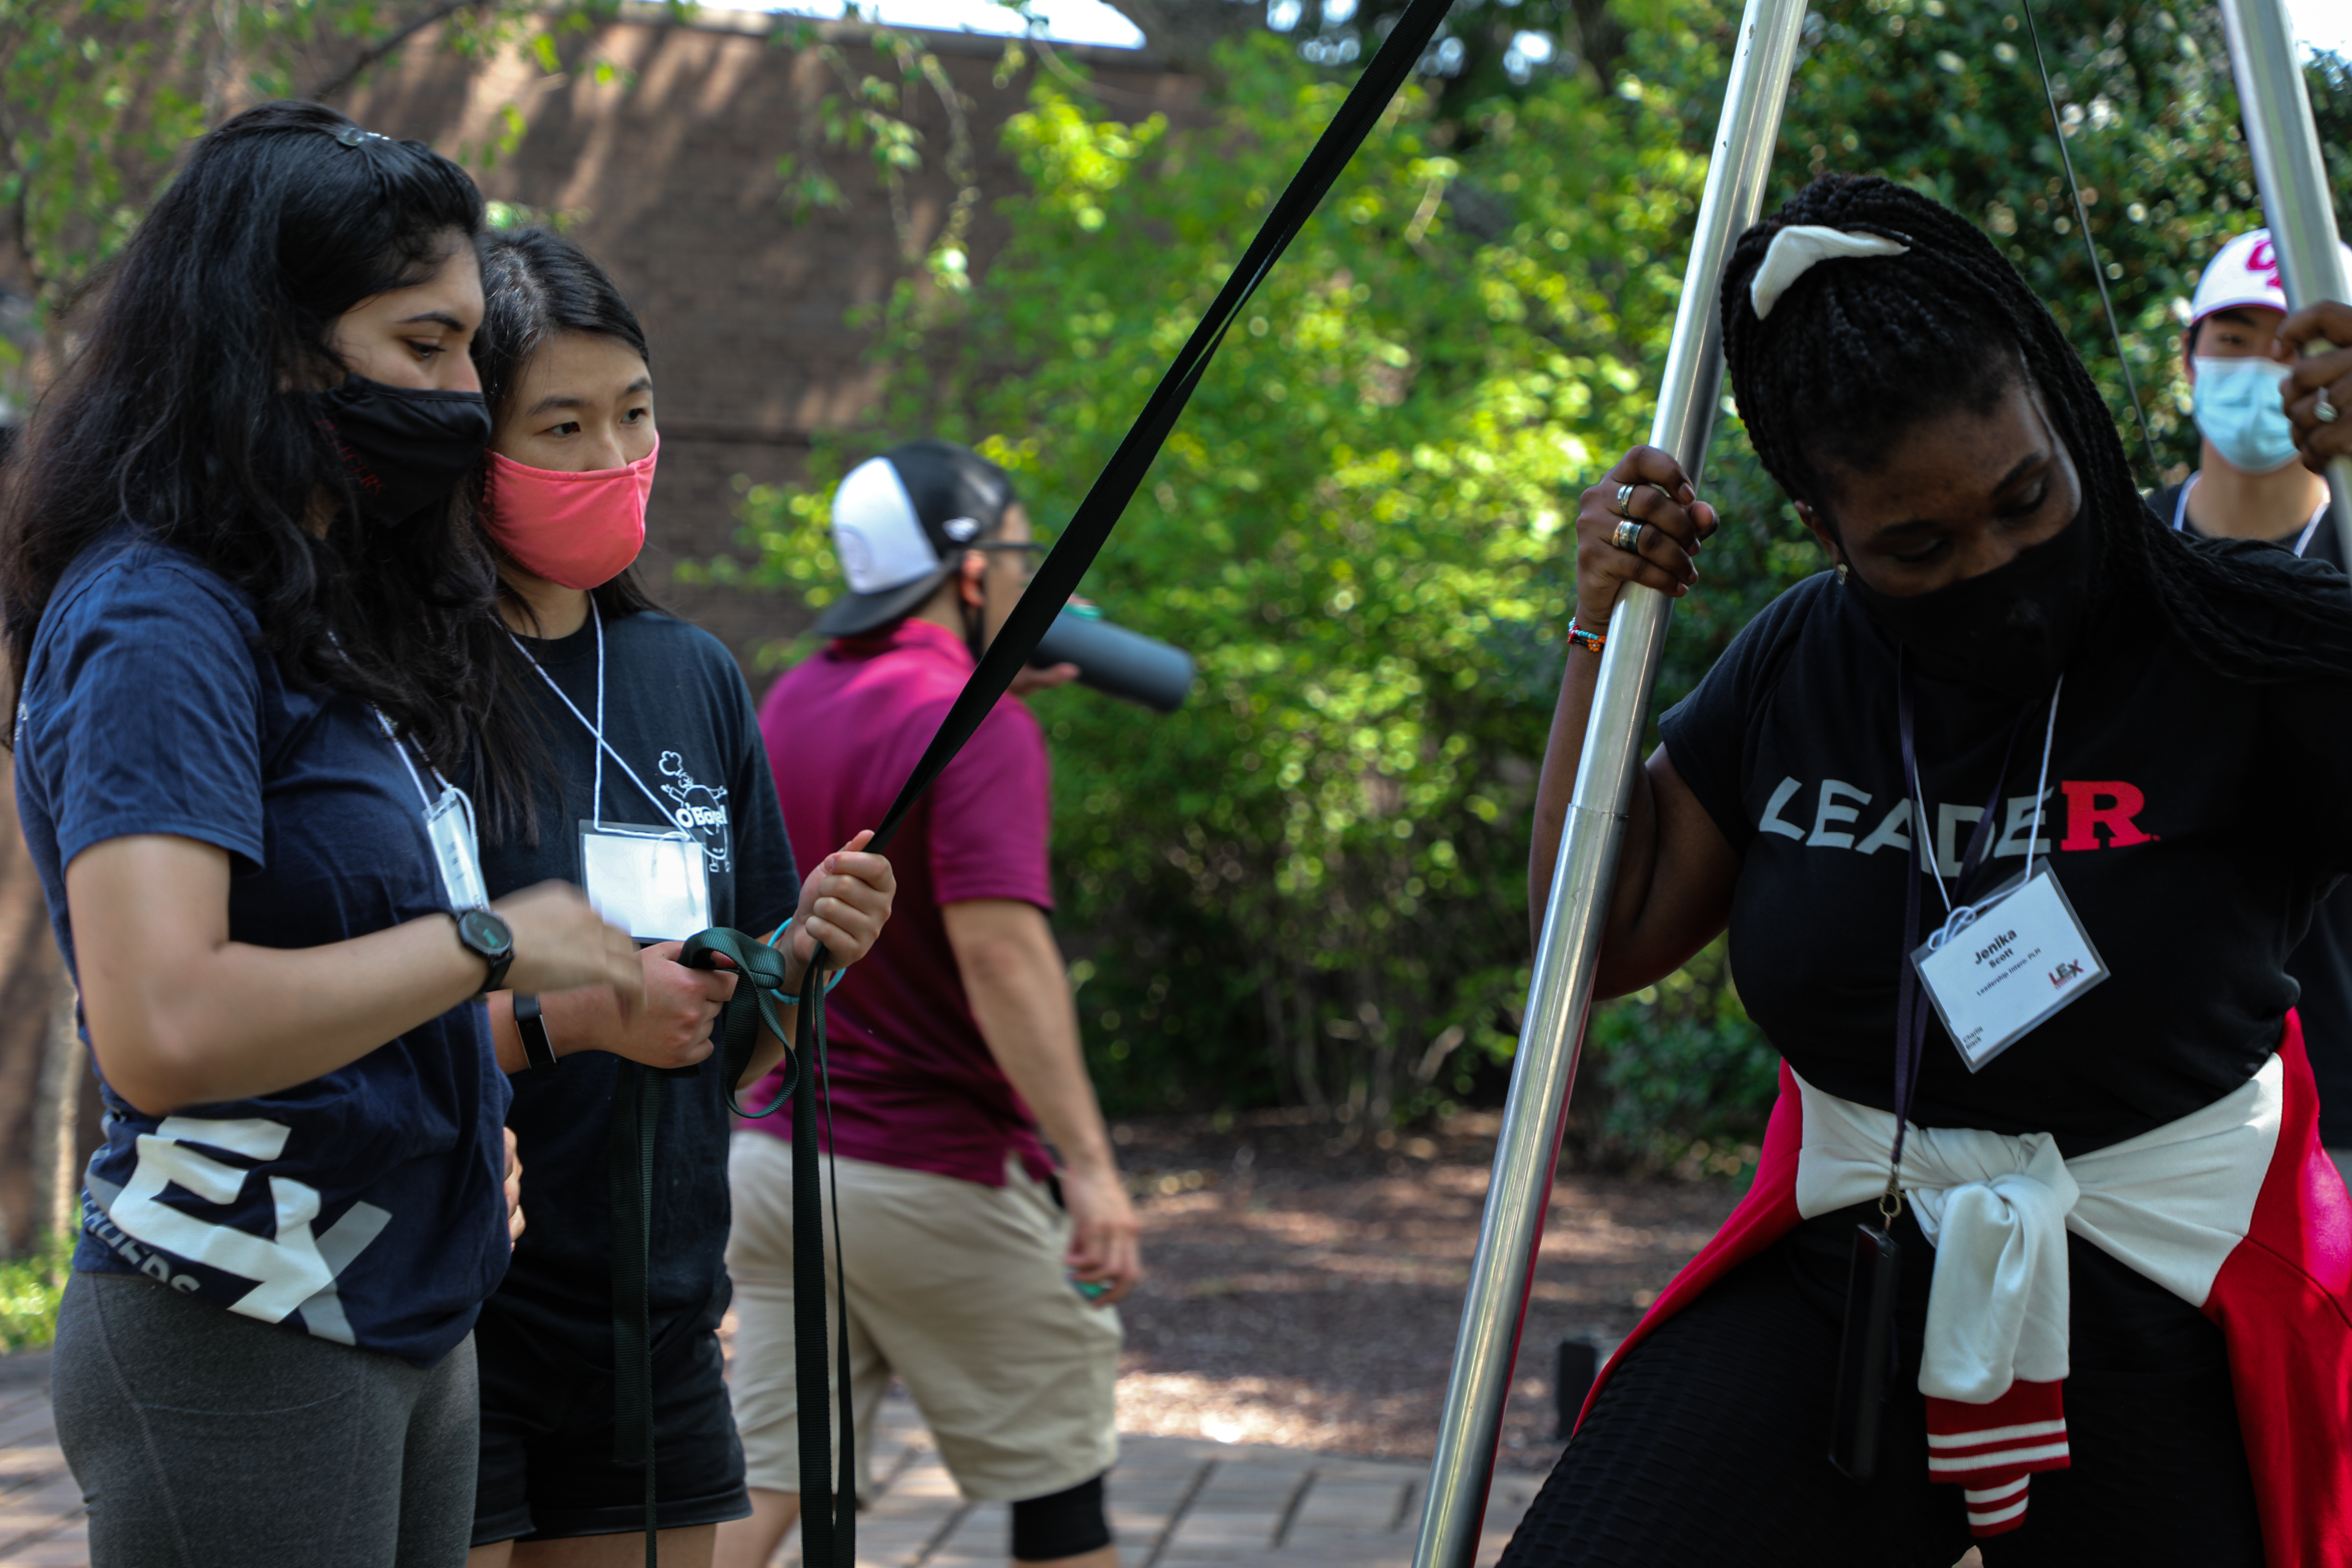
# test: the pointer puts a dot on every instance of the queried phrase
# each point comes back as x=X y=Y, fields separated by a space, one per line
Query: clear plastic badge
x=449 y=824
x=649 y=882
x=1995 y=977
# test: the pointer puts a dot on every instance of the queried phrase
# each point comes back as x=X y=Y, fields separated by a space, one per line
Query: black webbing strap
x=828 y=1532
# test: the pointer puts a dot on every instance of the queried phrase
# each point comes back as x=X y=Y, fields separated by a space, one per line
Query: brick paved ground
x=1176 y=1502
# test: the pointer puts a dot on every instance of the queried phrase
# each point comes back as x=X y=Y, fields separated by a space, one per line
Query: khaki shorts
x=956 y=1288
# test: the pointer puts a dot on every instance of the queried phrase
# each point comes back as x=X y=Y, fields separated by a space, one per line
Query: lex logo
x=2070 y=970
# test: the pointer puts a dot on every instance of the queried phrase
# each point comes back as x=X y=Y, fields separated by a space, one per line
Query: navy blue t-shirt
x=365 y=1207
x=677 y=710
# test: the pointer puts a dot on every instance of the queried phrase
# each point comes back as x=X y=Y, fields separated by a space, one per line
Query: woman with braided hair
x=2001 y=816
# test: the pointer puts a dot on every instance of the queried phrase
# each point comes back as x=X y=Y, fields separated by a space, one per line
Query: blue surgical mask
x=2238 y=409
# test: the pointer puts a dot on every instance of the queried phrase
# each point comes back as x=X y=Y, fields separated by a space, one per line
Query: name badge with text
x=2022 y=958
x=449 y=824
x=649 y=882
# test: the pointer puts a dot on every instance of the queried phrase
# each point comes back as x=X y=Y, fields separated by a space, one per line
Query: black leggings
x=1709 y=1444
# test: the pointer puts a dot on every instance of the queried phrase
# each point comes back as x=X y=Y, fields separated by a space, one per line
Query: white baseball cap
x=2245 y=273
x=899 y=524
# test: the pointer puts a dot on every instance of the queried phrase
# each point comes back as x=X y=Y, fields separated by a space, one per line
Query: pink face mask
x=580 y=531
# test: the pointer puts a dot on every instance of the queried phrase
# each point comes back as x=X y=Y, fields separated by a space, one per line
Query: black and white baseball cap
x=900 y=524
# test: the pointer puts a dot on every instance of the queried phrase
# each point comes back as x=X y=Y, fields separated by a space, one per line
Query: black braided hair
x=1861 y=350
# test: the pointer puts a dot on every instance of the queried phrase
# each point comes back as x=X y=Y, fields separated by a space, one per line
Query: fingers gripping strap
x=759 y=986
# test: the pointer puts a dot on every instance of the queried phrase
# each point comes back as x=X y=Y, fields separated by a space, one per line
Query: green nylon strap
x=636 y=1116
x=829 y=1528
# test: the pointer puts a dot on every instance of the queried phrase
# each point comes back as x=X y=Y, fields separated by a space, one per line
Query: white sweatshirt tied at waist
x=2173 y=1204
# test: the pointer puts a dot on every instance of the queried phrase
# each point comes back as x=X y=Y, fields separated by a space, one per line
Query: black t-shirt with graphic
x=676 y=708
x=2322 y=965
x=2171 y=821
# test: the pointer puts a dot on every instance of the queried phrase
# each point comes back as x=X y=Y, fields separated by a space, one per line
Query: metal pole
x=2276 y=109
x=1561 y=994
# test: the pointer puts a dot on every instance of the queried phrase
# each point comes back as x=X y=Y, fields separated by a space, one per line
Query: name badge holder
x=1979 y=987
x=654 y=882
x=449 y=824
x=2001 y=966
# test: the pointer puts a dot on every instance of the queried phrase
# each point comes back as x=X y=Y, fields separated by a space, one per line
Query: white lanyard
x=596 y=727
x=447 y=789
x=1959 y=915
x=2181 y=517
x=448 y=826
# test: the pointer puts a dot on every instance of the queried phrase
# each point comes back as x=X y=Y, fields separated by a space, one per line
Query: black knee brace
x=1067 y=1525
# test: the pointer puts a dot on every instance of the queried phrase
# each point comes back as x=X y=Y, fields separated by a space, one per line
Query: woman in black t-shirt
x=627 y=758
x=2022 y=723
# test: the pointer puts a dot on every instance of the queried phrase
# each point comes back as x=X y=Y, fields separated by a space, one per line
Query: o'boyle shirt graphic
x=365 y=1207
x=2168 y=819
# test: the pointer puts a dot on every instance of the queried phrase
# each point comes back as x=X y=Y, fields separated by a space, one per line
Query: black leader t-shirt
x=2187 y=818
x=2322 y=965
x=677 y=710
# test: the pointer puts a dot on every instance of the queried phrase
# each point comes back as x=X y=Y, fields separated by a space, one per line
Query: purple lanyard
x=1911 y=1005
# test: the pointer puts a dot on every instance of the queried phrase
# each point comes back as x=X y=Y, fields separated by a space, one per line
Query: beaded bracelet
x=1591 y=641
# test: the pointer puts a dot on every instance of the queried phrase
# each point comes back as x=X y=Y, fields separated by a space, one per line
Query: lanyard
x=2181 y=517
x=447 y=789
x=1911 y=1004
x=595 y=727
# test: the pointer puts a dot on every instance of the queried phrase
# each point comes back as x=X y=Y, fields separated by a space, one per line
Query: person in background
x=2249 y=485
x=236 y=595
x=978 y=1273
x=621 y=733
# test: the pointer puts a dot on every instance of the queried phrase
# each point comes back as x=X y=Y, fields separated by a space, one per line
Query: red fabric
x=2283 y=1299
x=913 y=1083
x=1993 y=1448
x=1767 y=1214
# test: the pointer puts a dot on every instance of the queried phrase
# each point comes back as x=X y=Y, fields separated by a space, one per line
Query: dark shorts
x=547 y=1466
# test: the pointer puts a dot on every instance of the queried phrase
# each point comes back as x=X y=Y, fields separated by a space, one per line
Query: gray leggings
x=204 y=1439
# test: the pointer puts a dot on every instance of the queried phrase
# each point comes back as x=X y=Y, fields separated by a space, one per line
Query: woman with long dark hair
x=627 y=757
x=238 y=612
x=2001 y=816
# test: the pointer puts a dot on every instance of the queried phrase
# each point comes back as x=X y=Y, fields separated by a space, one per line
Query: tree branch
x=375 y=53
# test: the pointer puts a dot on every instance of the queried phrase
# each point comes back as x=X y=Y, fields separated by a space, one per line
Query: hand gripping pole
x=2276 y=109
x=1561 y=994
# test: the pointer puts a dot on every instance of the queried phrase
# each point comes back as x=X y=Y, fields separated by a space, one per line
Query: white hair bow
x=1795 y=249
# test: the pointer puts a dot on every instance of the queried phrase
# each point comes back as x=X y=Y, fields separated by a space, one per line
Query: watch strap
x=532 y=1026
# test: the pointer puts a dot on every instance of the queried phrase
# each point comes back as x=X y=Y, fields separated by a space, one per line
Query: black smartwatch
x=536 y=1045
x=490 y=939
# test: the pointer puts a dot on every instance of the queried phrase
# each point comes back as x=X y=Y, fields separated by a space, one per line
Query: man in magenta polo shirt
x=978 y=1273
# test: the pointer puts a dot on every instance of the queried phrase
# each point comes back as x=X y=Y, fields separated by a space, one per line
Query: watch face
x=485 y=933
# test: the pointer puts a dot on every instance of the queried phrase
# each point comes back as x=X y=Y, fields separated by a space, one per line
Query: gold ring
x=1627 y=536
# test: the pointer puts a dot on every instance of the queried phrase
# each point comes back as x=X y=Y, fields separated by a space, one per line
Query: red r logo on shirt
x=2092 y=804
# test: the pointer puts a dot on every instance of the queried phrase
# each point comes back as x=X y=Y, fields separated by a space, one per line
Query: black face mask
x=2013 y=629
x=403 y=447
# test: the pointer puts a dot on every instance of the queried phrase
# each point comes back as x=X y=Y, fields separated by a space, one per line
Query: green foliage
x=1310 y=883
x=30 y=1287
x=100 y=98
